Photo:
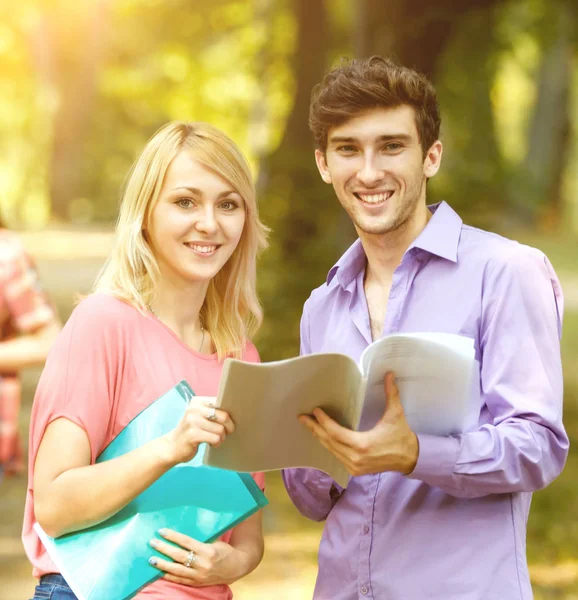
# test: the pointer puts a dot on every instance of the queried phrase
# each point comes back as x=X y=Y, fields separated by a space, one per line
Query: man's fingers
x=327 y=437
x=391 y=391
x=333 y=429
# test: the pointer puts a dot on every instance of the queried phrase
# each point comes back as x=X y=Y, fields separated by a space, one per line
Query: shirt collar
x=440 y=237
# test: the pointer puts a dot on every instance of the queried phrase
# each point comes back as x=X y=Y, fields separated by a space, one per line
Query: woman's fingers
x=215 y=414
x=182 y=540
x=201 y=423
x=181 y=580
x=205 y=407
x=179 y=555
x=176 y=569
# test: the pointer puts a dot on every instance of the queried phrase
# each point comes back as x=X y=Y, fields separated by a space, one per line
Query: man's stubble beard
x=404 y=213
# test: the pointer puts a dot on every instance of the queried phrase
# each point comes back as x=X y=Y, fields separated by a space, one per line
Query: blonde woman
x=176 y=296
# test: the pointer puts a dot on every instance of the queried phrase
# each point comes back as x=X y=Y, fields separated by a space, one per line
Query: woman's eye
x=185 y=202
x=229 y=205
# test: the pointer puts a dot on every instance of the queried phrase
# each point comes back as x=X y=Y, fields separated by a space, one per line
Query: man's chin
x=380 y=228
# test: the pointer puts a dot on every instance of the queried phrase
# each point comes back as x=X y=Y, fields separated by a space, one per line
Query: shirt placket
x=395 y=303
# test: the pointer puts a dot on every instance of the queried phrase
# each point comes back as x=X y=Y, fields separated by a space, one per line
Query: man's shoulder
x=495 y=250
x=322 y=295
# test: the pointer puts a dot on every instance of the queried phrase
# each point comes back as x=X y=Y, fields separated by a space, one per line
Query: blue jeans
x=53 y=587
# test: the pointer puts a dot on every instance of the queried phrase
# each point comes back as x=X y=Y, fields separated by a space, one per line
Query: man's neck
x=385 y=252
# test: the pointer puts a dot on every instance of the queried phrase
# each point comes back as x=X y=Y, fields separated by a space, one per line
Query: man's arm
x=524 y=445
x=28 y=349
x=28 y=307
x=313 y=492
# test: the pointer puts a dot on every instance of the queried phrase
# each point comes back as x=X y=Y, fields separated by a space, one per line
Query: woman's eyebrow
x=198 y=192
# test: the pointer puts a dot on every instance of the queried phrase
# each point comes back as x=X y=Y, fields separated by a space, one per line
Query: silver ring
x=212 y=416
x=191 y=558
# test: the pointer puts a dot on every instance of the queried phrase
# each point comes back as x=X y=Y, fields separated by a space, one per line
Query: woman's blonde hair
x=231 y=312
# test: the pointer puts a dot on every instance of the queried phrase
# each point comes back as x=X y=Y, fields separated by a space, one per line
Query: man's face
x=376 y=165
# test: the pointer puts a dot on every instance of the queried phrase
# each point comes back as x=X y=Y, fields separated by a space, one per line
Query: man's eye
x=346 y=149
x=392 y=147
x=184 y=202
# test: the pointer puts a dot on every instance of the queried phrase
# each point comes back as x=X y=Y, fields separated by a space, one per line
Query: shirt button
x=364 y=590
x=365 y=529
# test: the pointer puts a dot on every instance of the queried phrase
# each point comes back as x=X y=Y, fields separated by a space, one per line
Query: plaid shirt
x=24 y=307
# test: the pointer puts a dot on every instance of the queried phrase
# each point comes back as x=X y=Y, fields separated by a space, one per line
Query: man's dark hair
x=360 y=85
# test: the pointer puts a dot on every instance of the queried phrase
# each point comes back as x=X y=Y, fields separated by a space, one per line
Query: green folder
x=109 y=561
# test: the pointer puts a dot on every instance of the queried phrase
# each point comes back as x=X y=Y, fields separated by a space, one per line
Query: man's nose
x=370 y=173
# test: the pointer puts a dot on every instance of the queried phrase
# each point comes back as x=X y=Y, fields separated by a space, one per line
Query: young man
x=432 y=517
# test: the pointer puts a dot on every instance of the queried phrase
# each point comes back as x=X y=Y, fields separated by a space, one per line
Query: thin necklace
x=200 y=323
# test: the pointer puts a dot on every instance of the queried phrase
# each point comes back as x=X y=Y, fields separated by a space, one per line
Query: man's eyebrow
x=403 y=137
x=198 y=192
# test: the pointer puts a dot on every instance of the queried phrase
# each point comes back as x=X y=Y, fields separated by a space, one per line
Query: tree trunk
x=68 y=58
x=415 y=32
x=540 y=198
x=295 y=203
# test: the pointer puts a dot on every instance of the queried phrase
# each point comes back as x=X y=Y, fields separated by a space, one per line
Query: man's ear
x=322 y=166
x=433 y=159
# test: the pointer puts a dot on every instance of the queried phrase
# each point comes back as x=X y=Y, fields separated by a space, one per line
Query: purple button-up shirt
x=455 y=529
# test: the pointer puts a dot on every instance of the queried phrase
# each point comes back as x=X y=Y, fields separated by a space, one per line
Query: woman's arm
x=214 y=564
x=72 y=494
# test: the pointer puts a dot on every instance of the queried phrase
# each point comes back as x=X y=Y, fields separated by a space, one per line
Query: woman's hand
x=210 y=564
x=202 y=422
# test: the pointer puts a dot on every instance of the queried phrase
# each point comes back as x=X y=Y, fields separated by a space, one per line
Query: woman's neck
x=179 y=305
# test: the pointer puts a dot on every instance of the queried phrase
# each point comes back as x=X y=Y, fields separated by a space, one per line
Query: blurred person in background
x=426 y=516
x=175 y=298
x=28 y=326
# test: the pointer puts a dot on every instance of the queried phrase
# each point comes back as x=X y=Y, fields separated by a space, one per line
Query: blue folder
x=109 y=561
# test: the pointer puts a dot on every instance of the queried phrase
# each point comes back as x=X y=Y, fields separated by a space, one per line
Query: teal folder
x=109 y=561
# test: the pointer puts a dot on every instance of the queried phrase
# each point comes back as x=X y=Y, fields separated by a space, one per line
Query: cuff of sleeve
x=313 y=492
x=436 y=459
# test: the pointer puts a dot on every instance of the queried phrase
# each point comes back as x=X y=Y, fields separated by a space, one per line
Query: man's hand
x=390 y=446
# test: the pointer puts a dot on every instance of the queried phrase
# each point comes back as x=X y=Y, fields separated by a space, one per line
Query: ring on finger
x=212 y=416
x=190 y=560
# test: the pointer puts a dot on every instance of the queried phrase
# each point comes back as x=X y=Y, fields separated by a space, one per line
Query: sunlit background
x=84 y=84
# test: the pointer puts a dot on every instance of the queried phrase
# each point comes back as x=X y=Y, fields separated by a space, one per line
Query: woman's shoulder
x=250 y=353
x=102 y=311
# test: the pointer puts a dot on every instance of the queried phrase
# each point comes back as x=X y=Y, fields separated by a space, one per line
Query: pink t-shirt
x=108 y=364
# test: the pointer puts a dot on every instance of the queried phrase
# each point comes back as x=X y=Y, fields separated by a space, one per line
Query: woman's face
x=196 y=224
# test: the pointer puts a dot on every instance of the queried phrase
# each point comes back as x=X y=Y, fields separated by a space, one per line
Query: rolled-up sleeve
x=313 y=492
x=524 y=446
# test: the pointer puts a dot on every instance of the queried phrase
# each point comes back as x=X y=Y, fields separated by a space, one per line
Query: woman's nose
x=206 y=221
